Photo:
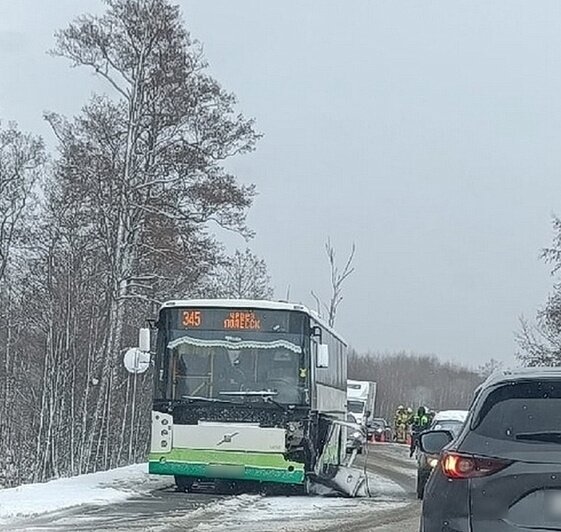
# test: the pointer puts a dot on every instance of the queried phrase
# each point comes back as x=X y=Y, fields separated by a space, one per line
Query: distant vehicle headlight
x=433 y=462
x=357 y=434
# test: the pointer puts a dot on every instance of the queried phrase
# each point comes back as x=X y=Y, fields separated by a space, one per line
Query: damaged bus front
x=247 y=391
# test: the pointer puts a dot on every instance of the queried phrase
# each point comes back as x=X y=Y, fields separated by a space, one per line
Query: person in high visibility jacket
x=421 y=422
x=410 y=416
x=400 y=424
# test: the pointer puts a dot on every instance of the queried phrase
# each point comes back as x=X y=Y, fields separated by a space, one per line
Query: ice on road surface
x=276 y=514
x=297 y=513
x=244 y=512
x=128 y=499
x=104 y=487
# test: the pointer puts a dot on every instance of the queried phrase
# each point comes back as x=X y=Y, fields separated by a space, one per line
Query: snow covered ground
x=248 y=513
x=111 y=487
x=128 y=499
x=105 y=487
x=276 y=514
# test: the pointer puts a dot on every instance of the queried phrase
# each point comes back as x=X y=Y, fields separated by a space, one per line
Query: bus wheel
x=183 y=484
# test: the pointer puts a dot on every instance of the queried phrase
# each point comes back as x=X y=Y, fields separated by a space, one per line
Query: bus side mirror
x=136 y=361
x=144 y=340
x=323 y=356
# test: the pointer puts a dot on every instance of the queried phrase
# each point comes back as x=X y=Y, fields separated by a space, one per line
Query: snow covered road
x=131 y=500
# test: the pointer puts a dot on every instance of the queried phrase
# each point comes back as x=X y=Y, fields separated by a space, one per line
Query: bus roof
x=251 y=304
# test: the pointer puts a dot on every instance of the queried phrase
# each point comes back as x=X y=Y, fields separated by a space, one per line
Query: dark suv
x=502 y=472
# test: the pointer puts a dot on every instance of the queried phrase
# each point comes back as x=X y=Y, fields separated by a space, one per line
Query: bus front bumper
x=232 y=465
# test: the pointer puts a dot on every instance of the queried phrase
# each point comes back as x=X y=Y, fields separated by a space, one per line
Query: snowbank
x=101 y=488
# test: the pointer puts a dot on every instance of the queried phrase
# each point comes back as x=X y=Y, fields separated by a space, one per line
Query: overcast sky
x=428 y=133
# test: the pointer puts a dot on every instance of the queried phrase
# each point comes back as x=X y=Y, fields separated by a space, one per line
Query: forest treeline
x=413 y=380
x=123 y=216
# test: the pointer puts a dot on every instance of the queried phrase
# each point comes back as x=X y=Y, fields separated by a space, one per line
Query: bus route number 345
x=192 y=318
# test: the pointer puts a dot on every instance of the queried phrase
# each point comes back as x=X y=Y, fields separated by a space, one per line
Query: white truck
x=361 y=400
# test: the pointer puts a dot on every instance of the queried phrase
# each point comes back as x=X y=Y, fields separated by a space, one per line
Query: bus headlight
x=294 y=434
x=161 y=433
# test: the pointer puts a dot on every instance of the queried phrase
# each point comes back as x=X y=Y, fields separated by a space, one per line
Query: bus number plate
x=225 y=471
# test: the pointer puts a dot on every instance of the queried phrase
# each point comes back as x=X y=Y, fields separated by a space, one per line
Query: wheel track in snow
x=408 y=513
x=395 y=453
x=382 y=460
x=392 y=509
x=205 y=516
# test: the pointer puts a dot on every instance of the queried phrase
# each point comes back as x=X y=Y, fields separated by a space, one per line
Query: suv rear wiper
x=546 y=437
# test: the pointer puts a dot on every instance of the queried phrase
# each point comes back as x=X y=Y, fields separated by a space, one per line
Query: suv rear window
x=520 y=408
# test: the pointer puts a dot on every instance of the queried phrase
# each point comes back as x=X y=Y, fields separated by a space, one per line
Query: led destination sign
x=235 y=320
x=239 y=320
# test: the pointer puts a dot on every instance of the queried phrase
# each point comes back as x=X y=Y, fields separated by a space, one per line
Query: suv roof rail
x=522 y=373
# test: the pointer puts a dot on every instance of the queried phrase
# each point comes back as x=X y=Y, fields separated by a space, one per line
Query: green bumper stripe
x=264 y=467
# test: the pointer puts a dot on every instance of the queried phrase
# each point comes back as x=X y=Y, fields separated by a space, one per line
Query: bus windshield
x=256 y=355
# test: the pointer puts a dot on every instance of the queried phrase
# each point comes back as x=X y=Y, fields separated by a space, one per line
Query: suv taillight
x=457 y=465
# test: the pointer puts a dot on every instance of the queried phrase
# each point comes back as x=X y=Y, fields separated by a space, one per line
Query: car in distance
x=450 y=420
x=502 y=473
x=356 y=435
x=379 y=430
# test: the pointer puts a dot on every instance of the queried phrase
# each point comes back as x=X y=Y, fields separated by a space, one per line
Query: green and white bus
x=247 y=390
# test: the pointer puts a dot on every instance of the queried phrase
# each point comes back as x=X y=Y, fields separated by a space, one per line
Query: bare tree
x=338 y=278
x=145 y=167
x=242 y=276
x=540 y=342
x=492 y=365
x=22 y=158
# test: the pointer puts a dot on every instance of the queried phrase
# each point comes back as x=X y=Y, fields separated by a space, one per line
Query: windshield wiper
x=251 y=393
x=204 y=399
x=266 y=395
x=269 y=399
x=546 y=437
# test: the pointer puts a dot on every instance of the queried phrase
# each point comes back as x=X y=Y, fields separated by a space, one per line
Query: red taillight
x=456 y=465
